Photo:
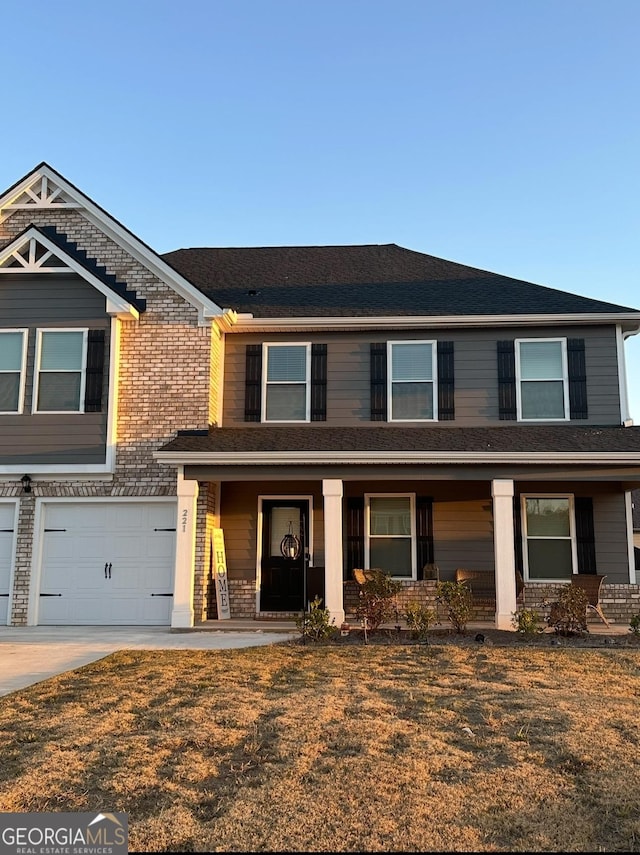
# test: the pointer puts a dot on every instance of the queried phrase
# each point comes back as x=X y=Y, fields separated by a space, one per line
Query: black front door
x=282 y=579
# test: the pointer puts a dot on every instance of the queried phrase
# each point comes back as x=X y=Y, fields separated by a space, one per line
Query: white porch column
x=182 y=614
x=333 y=587
x=503 y=542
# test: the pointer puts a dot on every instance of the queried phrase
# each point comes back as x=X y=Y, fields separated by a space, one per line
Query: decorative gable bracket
x=33 y=252
x=41 y=193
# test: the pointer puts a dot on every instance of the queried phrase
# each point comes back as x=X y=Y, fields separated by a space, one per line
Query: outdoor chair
x=482 y=583
x=591 y=584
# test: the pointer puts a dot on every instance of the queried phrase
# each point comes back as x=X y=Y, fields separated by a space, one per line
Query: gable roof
x=369 y=280
x=45 y=189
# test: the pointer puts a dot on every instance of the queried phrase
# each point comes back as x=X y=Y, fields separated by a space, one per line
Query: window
x=390 y=534
x=13 y=350
x=286 y=397
x=549 y=535
x=542 y=387
x=412 y=384
x=60 y=375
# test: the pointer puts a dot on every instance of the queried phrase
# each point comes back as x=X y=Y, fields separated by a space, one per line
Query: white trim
x=628 y=506
x=572 y=533
x=433 y=381
x=12 y=568
x=115 y=304
x=112 y=402
x=244 y=323
x=623 y=386
x=290 y=458
x=38 y=537
x=564 y=378
x=265 y=383
x=58 y=471
x=207 y=309
x=37 y=370
x=260 y=527
x=413 y=536
x=23 y=371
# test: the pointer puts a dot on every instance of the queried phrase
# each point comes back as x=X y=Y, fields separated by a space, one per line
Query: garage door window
x=60 y=379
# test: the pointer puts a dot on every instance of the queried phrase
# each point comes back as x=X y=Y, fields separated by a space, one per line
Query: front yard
x=434 y=747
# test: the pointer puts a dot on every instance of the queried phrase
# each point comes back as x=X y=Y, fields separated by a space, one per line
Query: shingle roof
x=369 y=280
x=498 y=440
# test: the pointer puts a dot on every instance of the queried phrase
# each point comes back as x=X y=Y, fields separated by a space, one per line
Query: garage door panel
x=139 y=561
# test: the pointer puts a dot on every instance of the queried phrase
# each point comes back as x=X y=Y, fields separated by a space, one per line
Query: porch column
x=182 y=614
x=503 y=543
x=333 y=587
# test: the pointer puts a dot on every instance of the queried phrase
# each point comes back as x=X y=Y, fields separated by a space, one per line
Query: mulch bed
x=479 y=638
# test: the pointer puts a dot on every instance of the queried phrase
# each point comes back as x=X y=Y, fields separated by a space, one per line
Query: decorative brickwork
x=167 y=382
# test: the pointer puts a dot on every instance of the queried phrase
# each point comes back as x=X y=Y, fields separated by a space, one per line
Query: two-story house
x=388 y=408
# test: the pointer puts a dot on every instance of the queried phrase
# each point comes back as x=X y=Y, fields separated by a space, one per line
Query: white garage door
x=107 y=563
x=7 y=518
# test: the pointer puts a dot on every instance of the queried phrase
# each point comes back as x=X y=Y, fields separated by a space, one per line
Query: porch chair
x=591 y=584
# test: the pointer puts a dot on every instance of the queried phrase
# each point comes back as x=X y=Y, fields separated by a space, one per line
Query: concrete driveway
x=31 y=654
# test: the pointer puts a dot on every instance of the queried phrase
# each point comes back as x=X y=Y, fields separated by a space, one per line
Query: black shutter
x=253 y=384
x=517 y=534
x=585 y=535
x=446 y=402
x=577 y=379
x=95 y=372
x=379 y=382
x=507 y=380
x=355 y=534
x=318 y=382
x=424 y=532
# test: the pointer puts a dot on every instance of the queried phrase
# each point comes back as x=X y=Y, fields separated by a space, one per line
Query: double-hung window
x=548 y=531
x=13 y=357
x=542 y=390
x=60 y=371
x=390 y=536
x=286 y=378
x=412 y=386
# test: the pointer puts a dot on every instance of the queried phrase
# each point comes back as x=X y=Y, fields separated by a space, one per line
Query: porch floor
x=249 y=625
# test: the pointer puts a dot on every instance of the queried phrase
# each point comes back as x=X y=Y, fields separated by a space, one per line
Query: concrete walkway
x=31 y=654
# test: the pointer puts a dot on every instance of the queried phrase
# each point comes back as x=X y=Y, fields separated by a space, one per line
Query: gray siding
x=41 y=438
x=476 y=374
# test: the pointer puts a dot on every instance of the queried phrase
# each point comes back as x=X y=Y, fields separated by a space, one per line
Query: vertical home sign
x=220 y=572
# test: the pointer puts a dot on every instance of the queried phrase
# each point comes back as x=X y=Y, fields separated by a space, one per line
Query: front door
x=282 y=579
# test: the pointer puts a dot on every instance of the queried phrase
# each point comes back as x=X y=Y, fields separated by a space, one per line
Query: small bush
x=377 y=598
x=316 y=624
x=569 y=614
x=634 y=624
x=419 y=619
x=527 y=622
x=457 y=599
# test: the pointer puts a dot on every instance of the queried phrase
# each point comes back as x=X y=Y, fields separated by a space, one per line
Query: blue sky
x=504 y=134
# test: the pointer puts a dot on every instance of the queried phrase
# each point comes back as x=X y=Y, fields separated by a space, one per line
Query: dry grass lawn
x=446 y=747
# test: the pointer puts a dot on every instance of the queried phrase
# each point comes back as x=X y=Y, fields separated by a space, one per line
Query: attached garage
x=107 y=563
x=7 y=538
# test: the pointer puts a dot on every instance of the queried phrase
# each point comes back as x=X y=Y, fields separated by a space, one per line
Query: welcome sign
x=220 y=573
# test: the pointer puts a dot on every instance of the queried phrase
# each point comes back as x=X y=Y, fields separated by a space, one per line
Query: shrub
x=457 y=599
x=317 y=623
x=569 y=614
x=527 y=622
x=634 y=624
x=377 y=595
x=419 y=619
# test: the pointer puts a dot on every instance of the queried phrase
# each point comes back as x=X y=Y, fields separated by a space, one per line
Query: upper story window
x=542 y=387
x=287 y=379
x=13 y=352
x=60 y=371
x=412 y=385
